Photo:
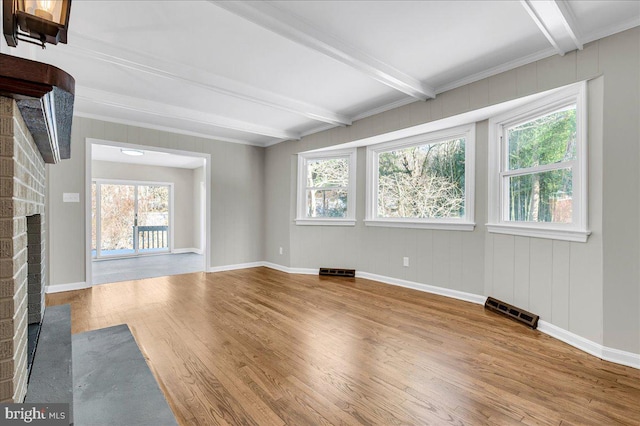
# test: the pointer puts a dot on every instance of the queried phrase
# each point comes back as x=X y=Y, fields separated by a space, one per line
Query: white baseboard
x=187 y=250
x=608 y=354
x=304 y=271
x=617 y=356
x=235 y=267
x=455 y=294
x=276 y=267
x=460 y=295
x=58 y=288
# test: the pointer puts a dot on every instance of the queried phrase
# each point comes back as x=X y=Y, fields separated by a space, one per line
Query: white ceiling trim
x=158 y=109
x=569 y=22
x=542 y=25
x=160 y=128
x=384 y=108
x=606 y=32
x=293 y=28
x=371 y=112
x=508 y=66
x=86 y=47
x=557 y=22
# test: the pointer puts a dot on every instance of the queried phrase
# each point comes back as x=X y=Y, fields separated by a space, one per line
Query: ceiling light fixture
x=35 y=21
x=132 y=152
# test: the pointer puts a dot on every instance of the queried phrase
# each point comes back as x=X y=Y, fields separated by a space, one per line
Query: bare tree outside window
x=425 y=181
x=132 y=218
x=327 y=187
x=117 y=204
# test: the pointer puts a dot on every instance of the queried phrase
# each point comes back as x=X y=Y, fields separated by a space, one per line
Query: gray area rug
x=135 y=268
x=113 y=384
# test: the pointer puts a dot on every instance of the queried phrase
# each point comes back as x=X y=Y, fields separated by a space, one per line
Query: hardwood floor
x=258 y=346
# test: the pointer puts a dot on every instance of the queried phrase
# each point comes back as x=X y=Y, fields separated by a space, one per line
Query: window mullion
x=326 y=188
x=539 y=169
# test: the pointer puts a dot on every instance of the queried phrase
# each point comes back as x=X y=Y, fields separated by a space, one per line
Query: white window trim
x=575 y=231
x=303 y=159
x=465 y=223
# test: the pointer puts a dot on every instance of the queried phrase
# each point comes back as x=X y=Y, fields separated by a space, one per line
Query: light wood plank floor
x=263 y=347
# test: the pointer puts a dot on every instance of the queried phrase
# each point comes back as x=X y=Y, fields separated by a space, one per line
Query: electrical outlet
x=280 y=250
x=405 y=262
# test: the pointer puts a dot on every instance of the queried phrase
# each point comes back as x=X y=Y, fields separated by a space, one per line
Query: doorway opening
x=149 y=213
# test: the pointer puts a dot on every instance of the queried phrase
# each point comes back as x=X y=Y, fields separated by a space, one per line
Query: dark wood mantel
x=45 y=96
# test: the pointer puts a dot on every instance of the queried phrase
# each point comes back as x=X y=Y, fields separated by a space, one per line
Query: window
x=538 y=168
x=326 y=188
x=424 y=181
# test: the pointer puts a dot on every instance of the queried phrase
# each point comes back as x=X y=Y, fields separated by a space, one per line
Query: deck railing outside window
x=151 y=237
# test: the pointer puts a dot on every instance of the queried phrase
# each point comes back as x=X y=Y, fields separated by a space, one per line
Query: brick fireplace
x=22 y=247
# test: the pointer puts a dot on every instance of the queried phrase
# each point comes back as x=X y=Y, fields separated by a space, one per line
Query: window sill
x=444 y=226
x=539 y=232
x=326 y=222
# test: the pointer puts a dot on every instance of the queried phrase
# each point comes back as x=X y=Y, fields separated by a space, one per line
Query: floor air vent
x=512 y=312
x=337 y=272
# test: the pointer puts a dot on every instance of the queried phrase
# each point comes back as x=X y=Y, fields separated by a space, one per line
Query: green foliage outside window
x=542 y=196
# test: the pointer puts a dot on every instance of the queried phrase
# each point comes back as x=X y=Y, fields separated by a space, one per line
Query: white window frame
x=498 y=173
x=303 y=160
x=465 y=223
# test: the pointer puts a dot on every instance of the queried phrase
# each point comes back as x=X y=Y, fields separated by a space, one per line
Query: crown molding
x=507 y=66
x=611 y=30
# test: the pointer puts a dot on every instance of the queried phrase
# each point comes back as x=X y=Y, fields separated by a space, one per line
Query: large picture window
x=326 y=188
x=423 y=181
x=538 y=170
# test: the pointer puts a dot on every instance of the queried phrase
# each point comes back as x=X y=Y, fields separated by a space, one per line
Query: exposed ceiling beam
x=276 y=20
x=556 y=22
x=569 y=22
x=86 y=47
x=165 y=110
x=527 y=4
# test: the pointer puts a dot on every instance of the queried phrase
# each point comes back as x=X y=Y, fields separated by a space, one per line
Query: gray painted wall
x=591 y=289
x=183 y=193
x=237 y=196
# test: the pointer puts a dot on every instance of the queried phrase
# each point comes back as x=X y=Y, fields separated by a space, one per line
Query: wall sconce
x=35 y=21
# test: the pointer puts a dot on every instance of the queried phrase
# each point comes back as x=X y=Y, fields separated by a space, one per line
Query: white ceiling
x=149 y=158
x=267 y=71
